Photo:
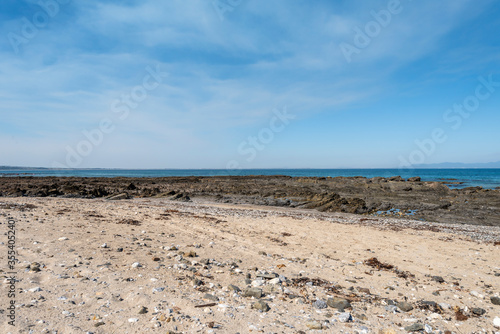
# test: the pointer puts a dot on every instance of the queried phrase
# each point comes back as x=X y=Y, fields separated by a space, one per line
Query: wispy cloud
x=226 y=76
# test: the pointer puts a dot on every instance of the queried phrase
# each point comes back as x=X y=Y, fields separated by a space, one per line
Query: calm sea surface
x=486 y=178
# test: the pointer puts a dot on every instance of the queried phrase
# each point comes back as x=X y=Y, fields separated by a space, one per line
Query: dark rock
x=396 y=178
x=495 y=300
x=438 y=279
x=478 y=311
x=414 y=179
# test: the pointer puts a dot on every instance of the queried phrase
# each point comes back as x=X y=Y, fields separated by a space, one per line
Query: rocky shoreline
x=395 y=197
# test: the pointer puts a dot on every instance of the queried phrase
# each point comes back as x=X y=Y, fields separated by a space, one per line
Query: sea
x=457 y=177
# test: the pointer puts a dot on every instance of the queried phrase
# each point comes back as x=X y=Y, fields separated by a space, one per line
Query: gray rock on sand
x=210 y=297
x=404 y=306
x=415 y=327
x=338 y=303
x=320 y=304
x=253 y=292
x=261 y=306
x=495 y=300
x=233 y=288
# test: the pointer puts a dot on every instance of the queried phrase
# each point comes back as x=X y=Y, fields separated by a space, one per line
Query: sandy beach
x=152 y=265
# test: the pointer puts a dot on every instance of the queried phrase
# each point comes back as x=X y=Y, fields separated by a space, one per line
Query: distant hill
x=20 y=168
x=460 y=165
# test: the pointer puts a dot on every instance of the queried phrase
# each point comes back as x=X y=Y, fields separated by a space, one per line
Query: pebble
x=338 y=303
x=37 y=289
x=143 y=310
x=496 y=322
x=320 y=304
x=261 y=305
x=136 y=265
x=388 y=331
x=438 y=279
x=478 y=311
x=253 y=292
x=415 y=327
x=133 y=320
x=495 y=300
x=345 y=317
x=404 y=306
x=213 y=298
x=234 y=288
x=314 y=324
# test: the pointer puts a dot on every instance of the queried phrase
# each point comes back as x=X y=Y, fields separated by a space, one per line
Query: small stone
x=276 y=280
x=320 y=304
x=338 y=303
x=98 y=324
x=119 y=249
x=404 y=306
x=37 y=289
x=428 y=329
x=143 y=310
x=133 y=320
x=190 y=254
x=445 y=306
x=234 y=288
x=197 y=282
x=253 y=292
x=478 y=311
x=496 y=322
x=261 y=305
x=415 y=327
x=258 y=282
x=213 y=298
x=495 y=300
x=136 y=265
x=388 y=331
x=345 y=317
x=438 y=279
x=35 y=267
x=156 y=259
x=104 y=245
x=314 y=324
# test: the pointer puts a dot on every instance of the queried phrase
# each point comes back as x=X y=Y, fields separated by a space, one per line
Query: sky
x=248 y=83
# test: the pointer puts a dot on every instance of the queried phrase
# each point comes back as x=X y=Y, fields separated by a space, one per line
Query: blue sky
x=227 y=68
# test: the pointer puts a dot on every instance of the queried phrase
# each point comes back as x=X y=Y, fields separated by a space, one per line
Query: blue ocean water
x=486 y=178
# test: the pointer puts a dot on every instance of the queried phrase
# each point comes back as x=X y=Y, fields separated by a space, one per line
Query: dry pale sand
x=188 y=250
